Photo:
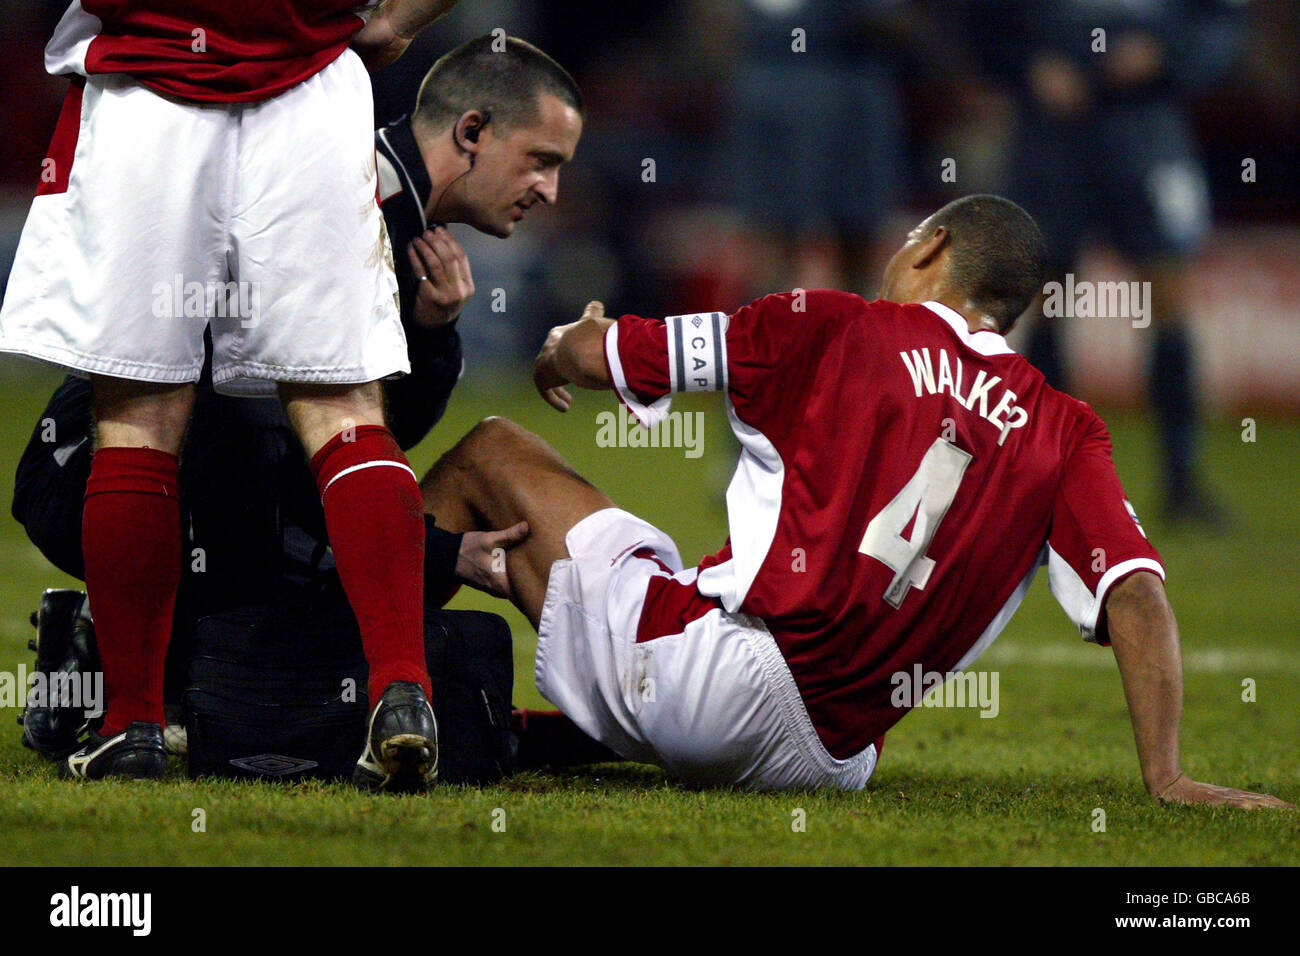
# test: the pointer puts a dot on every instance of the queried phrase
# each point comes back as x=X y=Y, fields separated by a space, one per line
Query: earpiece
x=471 y=136
x=471 y=133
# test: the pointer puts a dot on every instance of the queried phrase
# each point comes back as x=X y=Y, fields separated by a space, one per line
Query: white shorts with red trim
x=157 y=217
x=712 y=702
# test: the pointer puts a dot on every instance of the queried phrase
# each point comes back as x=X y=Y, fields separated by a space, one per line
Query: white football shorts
x=258 y=219
x=711 y=702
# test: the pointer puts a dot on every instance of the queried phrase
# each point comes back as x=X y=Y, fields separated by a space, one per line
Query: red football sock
x=375 y=518
x=131 y=539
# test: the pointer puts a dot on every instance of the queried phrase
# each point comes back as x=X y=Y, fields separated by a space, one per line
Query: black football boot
x=401 y=754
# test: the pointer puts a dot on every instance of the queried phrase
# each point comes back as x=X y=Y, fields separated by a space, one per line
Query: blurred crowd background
x=736 y=147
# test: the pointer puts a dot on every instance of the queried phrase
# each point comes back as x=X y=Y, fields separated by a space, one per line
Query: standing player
x=903 y=474
x=204 y=143
x=247 y=498
x=813 y=198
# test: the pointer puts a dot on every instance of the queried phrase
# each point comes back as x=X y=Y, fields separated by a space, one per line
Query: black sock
x=1173 y=394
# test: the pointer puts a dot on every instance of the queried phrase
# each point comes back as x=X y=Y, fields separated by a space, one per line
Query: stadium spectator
x=903 y=475
x=814 y=141
x=1106 y=148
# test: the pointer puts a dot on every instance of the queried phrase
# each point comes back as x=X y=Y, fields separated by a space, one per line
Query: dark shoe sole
x=132 y=767
x=135 y=754
x=408 y=763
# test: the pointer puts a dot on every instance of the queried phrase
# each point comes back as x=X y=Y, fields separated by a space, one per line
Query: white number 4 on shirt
x=927 y=495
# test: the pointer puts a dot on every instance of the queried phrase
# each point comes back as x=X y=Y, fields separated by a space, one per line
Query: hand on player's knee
x=482 y=560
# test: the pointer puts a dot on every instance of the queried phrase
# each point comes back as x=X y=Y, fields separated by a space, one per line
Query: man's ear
x=467 y=130
x=929 y=248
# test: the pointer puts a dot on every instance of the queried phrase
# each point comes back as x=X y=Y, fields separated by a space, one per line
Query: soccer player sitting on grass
x=903 y=474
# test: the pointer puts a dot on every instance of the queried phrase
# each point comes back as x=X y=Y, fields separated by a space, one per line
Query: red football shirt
x=225 y=51
x=900 y=481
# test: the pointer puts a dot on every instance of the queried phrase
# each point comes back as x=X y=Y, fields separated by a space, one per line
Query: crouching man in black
x=265 y=655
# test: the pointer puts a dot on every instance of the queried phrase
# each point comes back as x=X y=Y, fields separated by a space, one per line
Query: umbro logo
x=273 y=765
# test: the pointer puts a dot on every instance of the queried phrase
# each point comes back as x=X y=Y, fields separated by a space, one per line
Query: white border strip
x=985 y=342
x=378 y=463
x=647 y=415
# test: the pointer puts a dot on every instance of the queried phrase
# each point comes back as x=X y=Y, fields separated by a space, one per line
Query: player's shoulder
x=1079 y=422
x=809 y=303
x=798 y=317
x=927 y=326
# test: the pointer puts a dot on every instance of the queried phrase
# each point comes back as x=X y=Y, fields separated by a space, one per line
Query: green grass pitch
x=952 y=788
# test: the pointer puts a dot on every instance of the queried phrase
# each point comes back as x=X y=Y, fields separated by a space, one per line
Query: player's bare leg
x=140 y=414
x=131 y=539
x=376 y=530
x=500 y=474
x=319 y=412
x=497 y=475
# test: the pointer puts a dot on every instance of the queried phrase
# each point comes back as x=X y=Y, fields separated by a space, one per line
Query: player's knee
x=481 y=446
x=497 y=457
x=496 y=428
x=492 y=439
x=131 y=415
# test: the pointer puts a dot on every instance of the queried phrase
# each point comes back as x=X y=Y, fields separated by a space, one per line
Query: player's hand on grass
x=393 y=26
x=444 y=281
x=481 y=563
x=1186 y=790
